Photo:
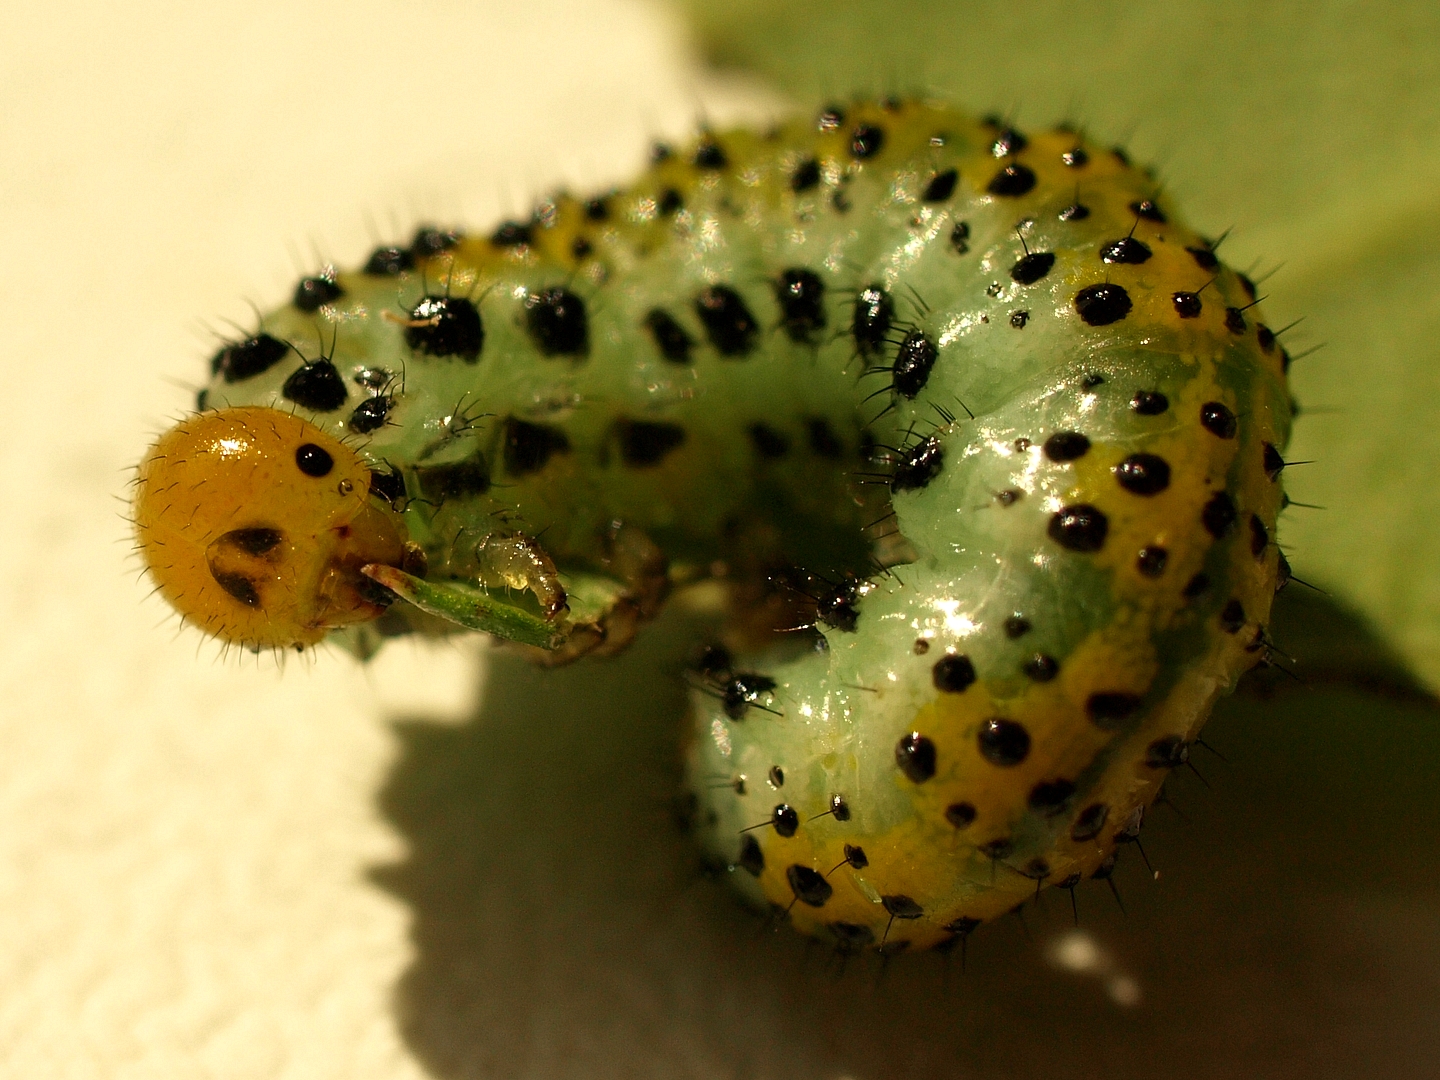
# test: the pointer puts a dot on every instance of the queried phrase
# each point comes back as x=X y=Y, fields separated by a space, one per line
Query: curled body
x=971 y=415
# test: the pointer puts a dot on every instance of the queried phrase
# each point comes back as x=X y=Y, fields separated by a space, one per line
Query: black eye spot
x=528 y=447
x=960 y=237
x=314 y=460
x=1066 y=446
x=915 y=755
x=1081 y=527
x=1011 y=182
x=1074 y=212
x=557 y=322
x=670 y=337
x=1232 y=619
x=1089 y=822
x=1149 y=402
x=866 y=141
x=921 y=464
x=710 y=155
x=952 y=673
x=874 y=311
x=751 y=859
x=1108 y=710
x=389 y=262
x=805 y=176
x=1103 y=304
x=801 y=296
x=1204 y=258
x=1143 y=474
x=510 y=234
x=246 y=359
x=1003 y=742
x=316 y=386
x=960 y=814
x=1219 y=515
x=1125 y=250
x=808 y=885
x=1051 y=796
x=446 y=326
x=371 y=414
x=1076 y=158
x=1147 y=209
x=645 y=443
x=1151 y=561
x=430 y=241
x=727 y=321
x=914 y=361
x=314 y=292
x=1187 y=304
x=1218 y=420
x=1041 y=668
x=941 y=186
x=1032 y=267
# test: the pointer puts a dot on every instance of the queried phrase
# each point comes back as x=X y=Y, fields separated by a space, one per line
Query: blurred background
x=446 y=864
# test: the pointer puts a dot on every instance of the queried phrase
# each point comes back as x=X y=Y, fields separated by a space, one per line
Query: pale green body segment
x=755 y=445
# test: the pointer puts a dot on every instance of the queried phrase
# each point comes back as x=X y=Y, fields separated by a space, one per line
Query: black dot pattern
x=1108 y=710
x=1003 y=742
x=866 y=141
x=914 y=360
x=1149 y=402
x=727 y=321
x=1032 y=267
x=1081 y=528
x=1041 y=667
x=313 y=293
x=769 y=444
x=1012 y=181
x=245 y=359
x=805 y=176
x=446 y=326
x=1089 y=822
x=751 y=858
x=915 y=755
x=784 y=819
x=801 y=296
x=1217 y=419
x=1219 y=515
x=1167 y=752
x=1051 y=796
x=941 y=186
x=809 y=886
x=529 y=447
x=953 y=673
x=1151 y=561
x=870 y=325
x=389 y=262
x=669 y=336
x=1187 y=304
x=1126 y=250
x=1102 y=304
x=1066 y=446
x=961 y=814
x=645 y=443
x=557 y=322
x=1143 y=474
x=316 y=386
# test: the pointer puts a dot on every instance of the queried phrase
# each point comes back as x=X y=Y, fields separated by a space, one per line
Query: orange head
x=255 y=524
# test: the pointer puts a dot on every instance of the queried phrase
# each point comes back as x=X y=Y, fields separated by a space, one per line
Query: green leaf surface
x=1312 y=129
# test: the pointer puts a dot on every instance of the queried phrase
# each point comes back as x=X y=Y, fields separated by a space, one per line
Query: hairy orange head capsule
x=255 y=524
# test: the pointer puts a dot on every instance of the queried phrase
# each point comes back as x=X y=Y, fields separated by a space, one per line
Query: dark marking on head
x=313 y=460
x=238 y=586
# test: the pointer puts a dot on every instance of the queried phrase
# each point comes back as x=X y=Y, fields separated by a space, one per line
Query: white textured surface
x=199 y=874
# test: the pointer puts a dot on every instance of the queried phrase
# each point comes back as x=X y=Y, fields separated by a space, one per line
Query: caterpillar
x=982 y=441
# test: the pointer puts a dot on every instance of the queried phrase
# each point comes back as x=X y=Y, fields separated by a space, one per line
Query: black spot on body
x=1081 y=528
x=1147 y=209
x=915 y=755
x=238 y=586
x=371 y=414
x=598 y=209
x=1196 y=586
x=710 y=155
x=1219 y=515
x=1007 y=142
x=769 y=444
x=248 y=358
x=1167 y=752
x=805 y=176
x=855 y=856
x=258 y=540
x=1012 y=181
x=1143 y=474
x=1126 y=250
x=669 y=336
x=316 y=386
x=1003 y=742
x=1016 y=626
x=866 y=141
x=997 y=849
x=314 y=292
x=941 y=186
x=430 y=241
x=644 y=443
x=1089 y=822
x=1074 y=212
x=914 y=361
x=528 y=447
x=1032 y=267
x=389 y=262
x=1041 y=667
x=446 y=326
x=921 y=464
x=1018 y=319
x=953 y=673
x=1204 y=257
x=313 y=460
x=960 y=237
x=511 y=234
x=581 y=247
x=1151 y=561
x=1259 y=536
x=557 y=322
x=902 y=907
x=1273 y=462
x=1066 y=446
x=808 y=885
x=1232 y=618
x=751 y=859
x=801 y=296
x=784 y=819
x=1186 y=304
x=1149 y=402
x=1102 y=304
x=870 y=325
x=1108 y=710
x=851 y=937
x=1247 y=285
x=1051 y=796
x=822 y=440
x=1234 y=320
x=459 y=480
x=961 y=814
x=1217 y=419
x=743 y=689
x=840 y=811
x=1076 y=158
x=727 y=321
